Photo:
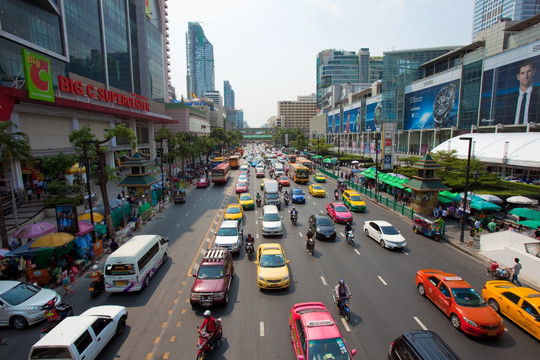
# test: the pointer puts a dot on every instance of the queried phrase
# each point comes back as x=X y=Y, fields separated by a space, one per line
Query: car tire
x=164 y=258
x=422 y=290
x=456 y=323
x=382 y=244
x=146 y=282
x=121 y=326
x=494 y=305
x=366 y=231
x=19 y=322
x=226 y=300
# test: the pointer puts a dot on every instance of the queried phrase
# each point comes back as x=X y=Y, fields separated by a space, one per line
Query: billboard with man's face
x=511 y=87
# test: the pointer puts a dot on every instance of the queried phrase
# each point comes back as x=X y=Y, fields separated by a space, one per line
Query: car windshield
x=356 y=198
x=274 y=260
x=272 y=196
x=20 y=293
x=241 y=184
x=297 y=192
x=284 y=178
x=210 y=272
x=389 y=230
x=317 y=187
x=328 y=349
x=341 y=208
x=202 y=180
x=233 y=210
x=467 y=297
x=271 y=217
x=227 y=232
x=245 y=197
x=324 y=221
x=242 y=178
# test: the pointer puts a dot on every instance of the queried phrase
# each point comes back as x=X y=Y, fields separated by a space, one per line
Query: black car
x=322 y=226
x=420 y=345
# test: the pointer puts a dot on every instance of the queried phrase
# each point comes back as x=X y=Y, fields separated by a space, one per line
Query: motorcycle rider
x=348 y=228
x=309 y=238
x=258 y=199
x=336 y=193
x=280 y=187
x=286 y=196
x=341 y=292
x=293 y=213
x=211 y=327
x=250 y=241
x=96 y=276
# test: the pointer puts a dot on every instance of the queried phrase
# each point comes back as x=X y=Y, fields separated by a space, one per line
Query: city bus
x=234 y=161
x=298 y=173
x=292 y=158
x=305 y=162
x=221 y=173
x=216 y=161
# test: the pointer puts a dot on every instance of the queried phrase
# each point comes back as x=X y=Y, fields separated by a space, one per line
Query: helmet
x=95 y=267
x=293 y=208
x=249 y=235
x=341 y=282
x=207 y=313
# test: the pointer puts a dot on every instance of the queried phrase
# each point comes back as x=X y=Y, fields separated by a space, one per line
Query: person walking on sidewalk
x=515 y=272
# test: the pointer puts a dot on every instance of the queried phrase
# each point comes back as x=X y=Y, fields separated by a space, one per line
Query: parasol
x=97 y=217
x=521 y=200
x=84 y=228
x=526 y=213
x=30 y=231
x=52 y=240
x=484 y=205
x=490 y=198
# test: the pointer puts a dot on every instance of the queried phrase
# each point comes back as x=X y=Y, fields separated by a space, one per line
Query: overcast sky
x=267 y=49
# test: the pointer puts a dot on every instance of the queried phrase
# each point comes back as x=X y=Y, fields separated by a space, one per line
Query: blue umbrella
x=484 y=205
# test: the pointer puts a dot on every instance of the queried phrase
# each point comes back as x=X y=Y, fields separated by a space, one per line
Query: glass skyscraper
x=200 y=61
x=228 y=95
x=335 y=67
x=489 y=12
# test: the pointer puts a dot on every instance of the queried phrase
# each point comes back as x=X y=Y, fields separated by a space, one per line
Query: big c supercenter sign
x=37 y=70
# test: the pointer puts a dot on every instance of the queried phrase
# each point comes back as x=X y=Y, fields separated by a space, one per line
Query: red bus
x=221 y=173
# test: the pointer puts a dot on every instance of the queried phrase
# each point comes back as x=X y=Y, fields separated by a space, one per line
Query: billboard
x=351 y=116
x=433 y=105
x=66 y=219
x=374 y=113
x=38 y=76
x=333 y=122
x=511 y=87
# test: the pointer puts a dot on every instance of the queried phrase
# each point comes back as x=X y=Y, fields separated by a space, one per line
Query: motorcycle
x=336 y=194
x=203 y=346
x=258 y=202
x=498 y=272
x=350 y=237
x=310 y=246
x=249 y=250
x=54 y=315
x=97 y=287
x=343 y=305
x=286 y=200
x=294 y=219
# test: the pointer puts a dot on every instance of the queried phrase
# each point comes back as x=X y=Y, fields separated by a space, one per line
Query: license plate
x=206 y=303
x=492 y=333
x=91 y=288
x=327 y=236
x=121 y=283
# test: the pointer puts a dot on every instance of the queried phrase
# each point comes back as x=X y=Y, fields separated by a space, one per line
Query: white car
x=243 y=178
x=383 y=232
x=271 y=221
x=229 y=236
x=23 y=304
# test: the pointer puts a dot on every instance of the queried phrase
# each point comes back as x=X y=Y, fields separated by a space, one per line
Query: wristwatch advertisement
x=444 y=104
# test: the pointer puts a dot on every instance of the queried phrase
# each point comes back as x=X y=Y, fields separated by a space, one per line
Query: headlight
x=219 y=294
x=195 y=295
x=286 y=278
x=318 y=229
x=470 y=322
x=34 y=309
x=261 y=278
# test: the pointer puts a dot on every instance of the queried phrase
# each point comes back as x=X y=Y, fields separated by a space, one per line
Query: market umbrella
x=30 y=231
x=84 y=228
x=533 y=224
x=444 y=199
x=355 y=162
x=3 y=252
x=471 y=197
x=327 y=161
x=521 y=200
x=448 y=194
x=52 y=240
x=490 y=198
x=97 y=217
x=526 y=213
x=484 y=205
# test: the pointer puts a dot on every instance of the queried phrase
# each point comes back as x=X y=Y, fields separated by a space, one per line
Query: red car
x=460 y=302
x=203 y=183
x=339 y=212
x=241 y=187
x=213 y=279
x=315 y=335
x=284 y=181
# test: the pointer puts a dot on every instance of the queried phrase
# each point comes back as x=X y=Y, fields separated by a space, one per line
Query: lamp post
x=162 y=175
x=87 y=164
x=463 y=217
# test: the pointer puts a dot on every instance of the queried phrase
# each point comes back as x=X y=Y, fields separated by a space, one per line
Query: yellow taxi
x=234 y=212
x=272 y=268
x=519 y=304
x=353 y=201
x=262 y=183
x=246 y=201
x=319 y=177
x=317 y=190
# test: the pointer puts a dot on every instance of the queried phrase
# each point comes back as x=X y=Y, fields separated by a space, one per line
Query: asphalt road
x=385 y=303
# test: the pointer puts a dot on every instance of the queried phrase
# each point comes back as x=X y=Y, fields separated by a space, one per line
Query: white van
x=81 y=337
x=278 y=167
x=131 y=266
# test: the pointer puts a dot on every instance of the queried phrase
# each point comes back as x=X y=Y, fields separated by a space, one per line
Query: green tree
x=320 y=146
x=58 y=163
x=84 y=138
x=14 y=145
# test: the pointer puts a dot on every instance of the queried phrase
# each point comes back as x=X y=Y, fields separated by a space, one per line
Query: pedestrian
x=65 y=281
x=444 y=213
x=123 y=193
x=119 y=197
x=472 y=234
x=536 y=233
x=477 y=224
x=29 y=193
x=515 y=272
x=113 y=245
x=38 y=193
x=492 y=226
x=44 y=186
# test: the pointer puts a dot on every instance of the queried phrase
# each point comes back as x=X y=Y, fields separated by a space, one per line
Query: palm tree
x=14 y=145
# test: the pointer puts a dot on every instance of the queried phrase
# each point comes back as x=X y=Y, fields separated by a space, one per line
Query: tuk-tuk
x=341 y=184
x=179 y=196
x=426 y=226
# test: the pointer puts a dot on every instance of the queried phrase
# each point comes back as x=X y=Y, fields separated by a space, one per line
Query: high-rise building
x=488 y=12
x=375 y=68
x=215 y=96
x=228 y=95
x=200 y=61
x=335 y=67
x=297 y=113
x=363 y=65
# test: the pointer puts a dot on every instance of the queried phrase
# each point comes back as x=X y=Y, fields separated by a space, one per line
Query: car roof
x=229 y=224
x=429 y=345
x=271 y=248
x=531 y=295
x=67 y=331
x=270 y=208
x=317 y=320
x=450 y=279
x=380 y=222
x=352 y=192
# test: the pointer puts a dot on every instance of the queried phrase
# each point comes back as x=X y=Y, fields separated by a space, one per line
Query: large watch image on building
x=374 y=113
x=511 y=92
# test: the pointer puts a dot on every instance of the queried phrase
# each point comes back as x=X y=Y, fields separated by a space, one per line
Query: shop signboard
x=38 y=76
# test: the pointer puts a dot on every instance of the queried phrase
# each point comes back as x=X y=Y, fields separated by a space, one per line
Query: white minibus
x=132 y=265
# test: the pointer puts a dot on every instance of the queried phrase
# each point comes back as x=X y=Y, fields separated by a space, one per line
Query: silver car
x=23 y=304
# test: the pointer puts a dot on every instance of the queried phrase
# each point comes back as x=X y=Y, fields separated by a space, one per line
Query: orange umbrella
x=97 y=217
x=52 y=240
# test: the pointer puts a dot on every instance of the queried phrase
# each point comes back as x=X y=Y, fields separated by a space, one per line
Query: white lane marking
x=196 y=267
x=215 y=222
x=208 y=239
x=358 y=252
x=187 y=214
x=203 y=251
x=403 y=251
x=341 y=234
x=314 y=203
x=420 y=323
x=256 y=222
x=321 y=211
x=300 y=234
x=324 y=281
x=177 y=225
x=382 y=280
x=347 y=328
x=194 y=205
x=257 y=236
x=506 y=329
x=261 y=328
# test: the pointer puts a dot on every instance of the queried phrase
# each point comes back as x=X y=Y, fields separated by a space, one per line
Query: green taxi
x=353 y=201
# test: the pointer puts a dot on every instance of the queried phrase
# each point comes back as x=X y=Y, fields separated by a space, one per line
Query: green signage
x=37 y=72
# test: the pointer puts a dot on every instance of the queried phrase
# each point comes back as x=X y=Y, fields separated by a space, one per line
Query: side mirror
x=256 y=263
x=260 y=218
x=194 y=275
x=282 y=216
x=288 y=261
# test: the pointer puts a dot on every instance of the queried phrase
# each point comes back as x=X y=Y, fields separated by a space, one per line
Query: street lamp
x=469 y=139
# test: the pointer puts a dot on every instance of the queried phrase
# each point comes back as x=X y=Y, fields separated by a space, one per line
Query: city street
x=385 y=302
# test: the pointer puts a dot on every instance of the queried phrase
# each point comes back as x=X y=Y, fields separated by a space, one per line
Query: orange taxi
x=460 y=302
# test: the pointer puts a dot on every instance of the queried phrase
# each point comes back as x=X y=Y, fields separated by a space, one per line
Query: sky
x=267 y=50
